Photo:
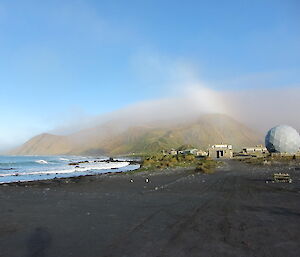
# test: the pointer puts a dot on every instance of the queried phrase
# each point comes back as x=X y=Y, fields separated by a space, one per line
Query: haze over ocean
x=67 y=61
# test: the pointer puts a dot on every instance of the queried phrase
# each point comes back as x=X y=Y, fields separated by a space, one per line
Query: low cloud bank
x=259 y=109
x=266 y=108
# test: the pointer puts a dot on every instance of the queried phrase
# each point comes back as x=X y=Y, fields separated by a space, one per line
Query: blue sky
x=64 y=59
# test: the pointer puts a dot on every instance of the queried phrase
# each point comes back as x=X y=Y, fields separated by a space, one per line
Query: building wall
x=256 y=149
x=220 y=152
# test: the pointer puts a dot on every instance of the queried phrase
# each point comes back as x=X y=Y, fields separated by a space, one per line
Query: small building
x=192 y=151
x=202 y=153
x=259 y=149
x=173 y=152
x=189 y=151
x=220 y=151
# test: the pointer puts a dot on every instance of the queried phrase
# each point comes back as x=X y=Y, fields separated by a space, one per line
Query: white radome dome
x=283 y=139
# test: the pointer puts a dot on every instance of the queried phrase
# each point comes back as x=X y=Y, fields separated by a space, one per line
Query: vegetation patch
x=206 y=166
x=160 y=162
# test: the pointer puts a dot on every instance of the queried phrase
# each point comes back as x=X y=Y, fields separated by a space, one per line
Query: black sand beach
x=232 y=212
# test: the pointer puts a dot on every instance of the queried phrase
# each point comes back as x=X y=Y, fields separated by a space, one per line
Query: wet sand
x=178 y=213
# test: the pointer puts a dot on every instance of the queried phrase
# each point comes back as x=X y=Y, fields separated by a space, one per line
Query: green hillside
x=207 y=130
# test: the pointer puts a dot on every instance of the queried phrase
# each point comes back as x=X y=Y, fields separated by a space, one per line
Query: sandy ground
x=230 y=213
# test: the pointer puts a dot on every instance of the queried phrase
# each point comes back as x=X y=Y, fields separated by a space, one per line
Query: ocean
x=30 y=168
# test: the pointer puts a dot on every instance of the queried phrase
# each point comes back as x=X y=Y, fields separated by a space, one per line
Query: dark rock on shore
x=74 y=163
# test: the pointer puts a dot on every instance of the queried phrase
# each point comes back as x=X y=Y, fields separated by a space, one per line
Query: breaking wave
x=41 y=162
x=64 y=159
x=31 y=168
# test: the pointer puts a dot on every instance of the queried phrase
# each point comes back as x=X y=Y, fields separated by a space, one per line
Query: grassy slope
x=209 y=129
x=213 y=129
x=45 y=144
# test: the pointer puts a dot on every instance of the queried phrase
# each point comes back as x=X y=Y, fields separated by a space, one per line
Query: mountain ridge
x=109 y=139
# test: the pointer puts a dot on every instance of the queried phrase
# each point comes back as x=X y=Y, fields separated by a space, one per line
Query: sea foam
x=41 y=162
x=99 y=166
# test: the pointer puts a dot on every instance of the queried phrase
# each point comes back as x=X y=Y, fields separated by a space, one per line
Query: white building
x=256 y=149
x=220 y=151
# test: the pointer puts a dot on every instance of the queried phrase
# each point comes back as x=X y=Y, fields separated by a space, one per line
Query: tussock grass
x=160 y=162
x=206 y=166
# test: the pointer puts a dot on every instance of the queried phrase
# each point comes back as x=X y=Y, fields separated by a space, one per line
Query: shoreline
x=94 y=177
x=79 y=167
